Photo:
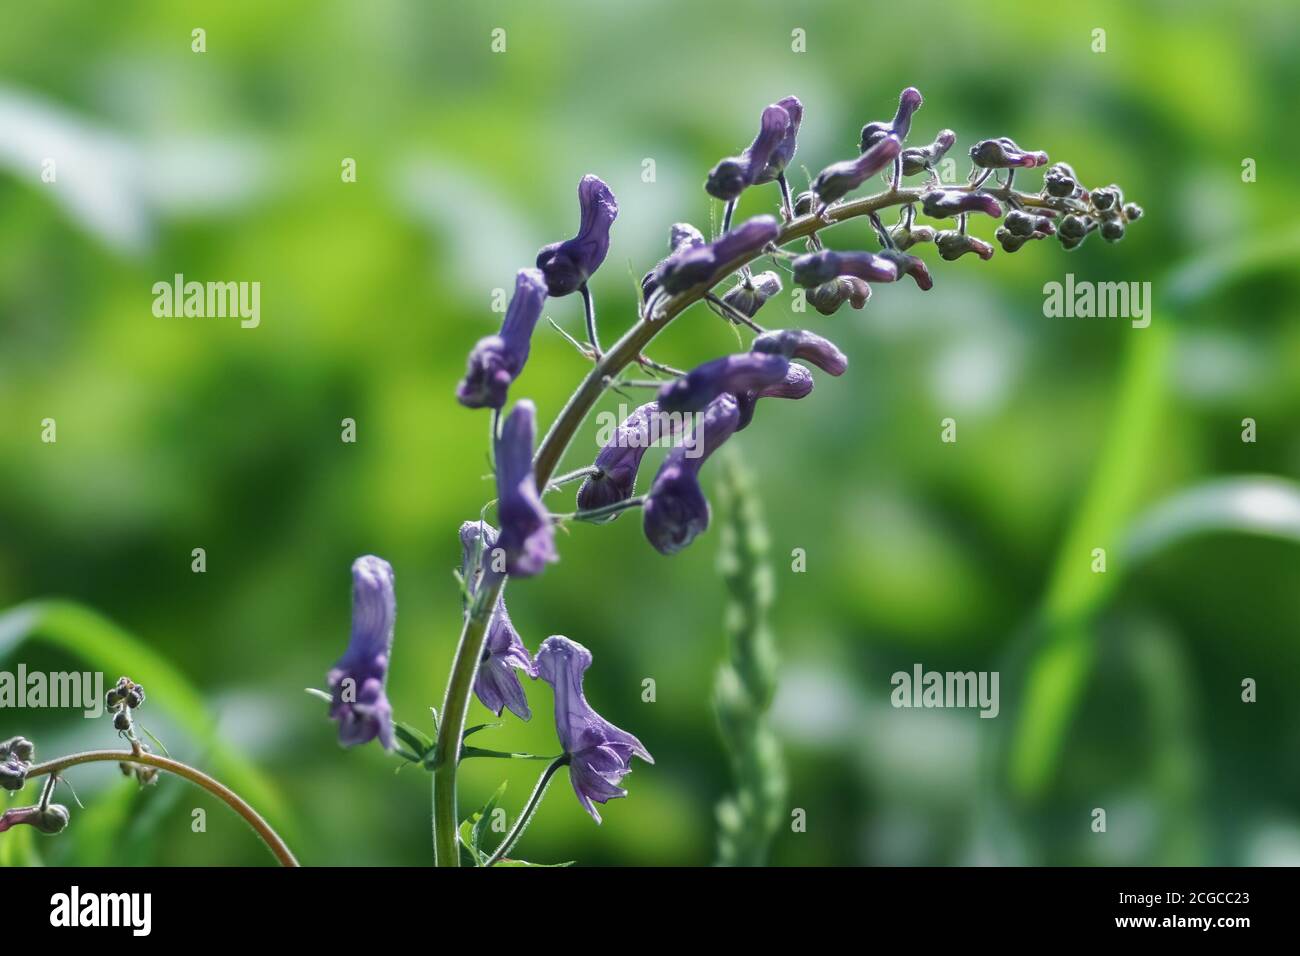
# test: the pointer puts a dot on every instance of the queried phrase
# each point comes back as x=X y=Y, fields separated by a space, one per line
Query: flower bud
x=53 y=819
x=135 y=697
x=815 y=268
x=748 y=299
x=727 y=179
x=918 y=159
x=1060 y=181
x=1073 y=228
x=19 y=747
x=907 y=236
x=909 y=101
x=912 y=266
x=829 y=296
x=1108 y=197
x=839 y=179
x=568 y=265
x=1112 y=230
x=732 y=373
x=798 y=343
x=122 y=720
x=13 y=773
x=1132 y=212
x=953 y=245
x=803 y=203
x=943 y=203
x=1003 y=153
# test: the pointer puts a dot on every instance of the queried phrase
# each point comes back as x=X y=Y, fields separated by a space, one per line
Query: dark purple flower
x=682 y=235
x=49 y=820
x=953 y=245
x=827 y=297
x=814 y=268
x=909 y=101
x=496 y=684
x=918 y=159
x=731 y=373
x=568 y=265
x=839 y=179
x=600 y=754
x=357 y=682
x=912 y=266
x=691 y=265
x=798 y=383
x=747 y=299
x=784 y=152
x=497 y=360
x=764 y=159
x=801 y=344
x=1003 y=153
x=675 y=509
x=620 y=458
x=527 y=537
x=942 y=203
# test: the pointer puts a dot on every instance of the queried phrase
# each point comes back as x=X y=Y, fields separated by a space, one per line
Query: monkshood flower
x=731 y=373
x=839 y=179
x=906 y=235
x=620 y=458
x=48 y=820
x=497 y=360
x=1003 y=153
x=953 y=245
x=814 y=268
x=909 y=101
x=912 y=266
x=801 y=344
x=798 y=383
x=676 y=510
x=600 y=754
x=682 y=235
x=357 y=682
x=496 y=684
x=919 y=159
x=747 y=299
x=568 y=265
x=784 y=152
x=527 y=538
x=829 y=296
x=692 y=265
x=728 y=179
x=942 y=203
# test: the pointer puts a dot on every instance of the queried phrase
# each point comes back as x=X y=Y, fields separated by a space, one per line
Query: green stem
x=534 y=801
x=197 y=777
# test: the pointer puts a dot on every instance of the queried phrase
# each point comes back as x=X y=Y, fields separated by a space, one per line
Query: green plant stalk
x=526 y=815
x=460 y=685
x=197 y=777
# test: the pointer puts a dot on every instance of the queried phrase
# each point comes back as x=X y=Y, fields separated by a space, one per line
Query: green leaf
x=106 y=647
x=501 y=754
x=507 y=862
x=412 y=737
x=476 y=728
x=484 y=820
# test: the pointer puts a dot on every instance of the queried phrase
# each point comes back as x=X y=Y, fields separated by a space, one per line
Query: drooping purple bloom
x=676 y=510
x=827 y=297
x=692 y=265
x=909 y=101
x=600 y=754
x=497 y=360
x=731 y=373
x=913 y=266
x=357 y=682
x=839 y=179
x=784 y=152
x=942 y=203
x=814 y=268
x=569 y=264
x=527 y=538
x=48 y=820
x=620 y=457
x=682 y=235
x=798 y=383
x=1003 y=153
x=748 y=298
x=496 y=684
x=802 y=344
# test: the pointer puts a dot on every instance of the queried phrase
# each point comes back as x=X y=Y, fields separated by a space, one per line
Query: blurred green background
x=182 y=433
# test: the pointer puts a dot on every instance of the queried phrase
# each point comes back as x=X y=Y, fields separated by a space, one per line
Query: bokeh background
x=1119 y=691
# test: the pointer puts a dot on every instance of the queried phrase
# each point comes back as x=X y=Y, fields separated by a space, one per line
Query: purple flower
x=747 y=299
x=814 y=268
x=497 y=360
x=496 y=683
x=568 y=265
x=909 y=101
x=50 y=820
x=918 y=159
x=526 y=538
x=797 y=343
x=357 y=681
x=620 y=458
x=731 y=373
x=691 y=265
x=600 y=755
x=675 y=509
x=682 y=235
x=764 y=159
x=942 y=203
x=1003 y=153
x=912 y=266
x=839 y=179
x=784 y=152
x=827 y=297
x=798 y=383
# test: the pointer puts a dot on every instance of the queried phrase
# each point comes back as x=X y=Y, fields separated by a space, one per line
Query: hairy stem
x=197 y=777
x=525 y=815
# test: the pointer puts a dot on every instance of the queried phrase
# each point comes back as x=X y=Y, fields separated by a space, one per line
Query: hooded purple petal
x=942 y=203
x=798 y=343
x=731 y=373
x=827 y=297
x=1003 y=153
x=620 y=458
x=691 y=265
x=568 y=265
x=497 y=360
x=798 y=383
x=676 y=511
x=815 y=268
x=600 y=754
x=526 y=537
x=357 y=682
x=747 y=299
x=839 y=179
